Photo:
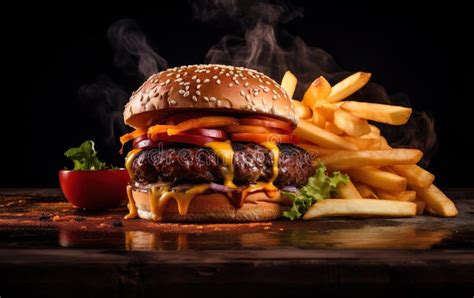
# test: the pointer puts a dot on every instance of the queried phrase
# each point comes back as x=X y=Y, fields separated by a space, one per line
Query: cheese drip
x=160 y=196
x=268 y=187
x=225 y=152
x=132 y=209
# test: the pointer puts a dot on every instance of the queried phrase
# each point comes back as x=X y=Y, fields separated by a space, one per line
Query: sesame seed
x=274 y=92
x=274 y=97
x=167 y=81
x=181 y=83
x=266 y=89
x=169 y=74
x=178 y=80
x=236 y=82
x=208 y=71
x=194 y=77
x=162 y=84
x=185 y=73
x=181 y=92
x=186 y=94
x=227 y=74
x=230 y=85
x=212 y=99
x=246 y=84
x=247 y=97
x=173 y=102
x=198 y=81
x=242 y=92
x=187 y=84
x=206 y=98
x=260 y=80
x=186 y=88
x=198 y=92
x=206 y=81
x=214 y=77
x=218 y=82
x=198 y=86
x=195 y=98
x=178 y=75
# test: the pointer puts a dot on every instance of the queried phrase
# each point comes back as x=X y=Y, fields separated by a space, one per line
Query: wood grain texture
x=48 y=247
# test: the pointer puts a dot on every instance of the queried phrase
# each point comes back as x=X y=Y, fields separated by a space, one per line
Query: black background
x=423 y=51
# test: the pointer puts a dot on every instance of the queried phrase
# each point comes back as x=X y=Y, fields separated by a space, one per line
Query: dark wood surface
x=47 y=244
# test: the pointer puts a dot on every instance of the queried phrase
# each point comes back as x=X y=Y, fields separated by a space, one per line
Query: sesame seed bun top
x=208 y=87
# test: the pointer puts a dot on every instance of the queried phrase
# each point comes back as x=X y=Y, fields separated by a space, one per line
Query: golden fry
x=365 y=143
x=288 y=83
x=317 y=135
x=354 y=159
x=394 y=115
x=407 y=196
x=316 y=150
x=415 y=175
x=302 y=111
x=378 y=179
x=329 y=126
x=360 y=208
x=437 y=201
x=351 y=125
x=319 y=89
x=348 y=86
x=365 y=191
x=420 y=206
x=348 y=191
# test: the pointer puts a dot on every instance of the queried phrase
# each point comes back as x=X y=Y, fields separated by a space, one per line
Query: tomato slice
x=268 y=122
x=263 y=137
x=184 y=138
x=251 y=128
x=208 y=132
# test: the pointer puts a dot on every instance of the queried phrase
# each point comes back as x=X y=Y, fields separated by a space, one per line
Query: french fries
x=351 y=125
x=353 y=159
x=365 y=191
x=360 y=208
x=420 y=206
x=317 y=135
x=288 y=83
x=415 y=175
x=316 y=150
x=337 y=134
x=302 y=111
x=394 y=115
x=318 y=90
x=407 y=196
x=437 y=201
x=348 y=86
x=365 y=143
x=378 y=179
x=348 y=191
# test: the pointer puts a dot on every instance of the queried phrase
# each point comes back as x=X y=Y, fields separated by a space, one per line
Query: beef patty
x=180 y=164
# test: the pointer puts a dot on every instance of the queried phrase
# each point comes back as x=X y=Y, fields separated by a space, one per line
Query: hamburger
x=212 y=143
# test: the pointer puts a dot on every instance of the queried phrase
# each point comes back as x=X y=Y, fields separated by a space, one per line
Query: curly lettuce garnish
x=319 y=187
x=85 y=158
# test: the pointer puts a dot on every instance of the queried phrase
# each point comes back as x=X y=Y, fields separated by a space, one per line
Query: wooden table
x=49 y=248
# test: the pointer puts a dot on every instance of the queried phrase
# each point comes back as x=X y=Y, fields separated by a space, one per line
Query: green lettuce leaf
x=85 y=157
x=319 y=187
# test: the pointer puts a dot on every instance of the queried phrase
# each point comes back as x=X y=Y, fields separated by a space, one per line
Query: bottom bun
x=215 y=207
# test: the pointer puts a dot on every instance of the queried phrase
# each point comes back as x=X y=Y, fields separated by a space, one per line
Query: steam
x=132 y=52
x=267 y=48
x=107 y=100
x=134 y=57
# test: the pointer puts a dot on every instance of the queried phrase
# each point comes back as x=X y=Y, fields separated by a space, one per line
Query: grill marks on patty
x=194 y=164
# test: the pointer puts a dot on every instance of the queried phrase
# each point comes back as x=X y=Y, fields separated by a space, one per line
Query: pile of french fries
x=384 y=181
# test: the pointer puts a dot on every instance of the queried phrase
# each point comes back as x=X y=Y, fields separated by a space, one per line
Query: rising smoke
x=258 y=45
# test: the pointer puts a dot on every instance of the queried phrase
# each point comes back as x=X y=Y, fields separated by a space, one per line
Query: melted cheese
x=160 y=196
x=129 y=161
x=132 y=209
x=226 y=154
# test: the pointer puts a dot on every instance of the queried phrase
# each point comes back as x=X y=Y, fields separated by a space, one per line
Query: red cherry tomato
x=94 y=190
x=268 y=122
x=208 y=132
x=184 y=138
x=263 y=137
